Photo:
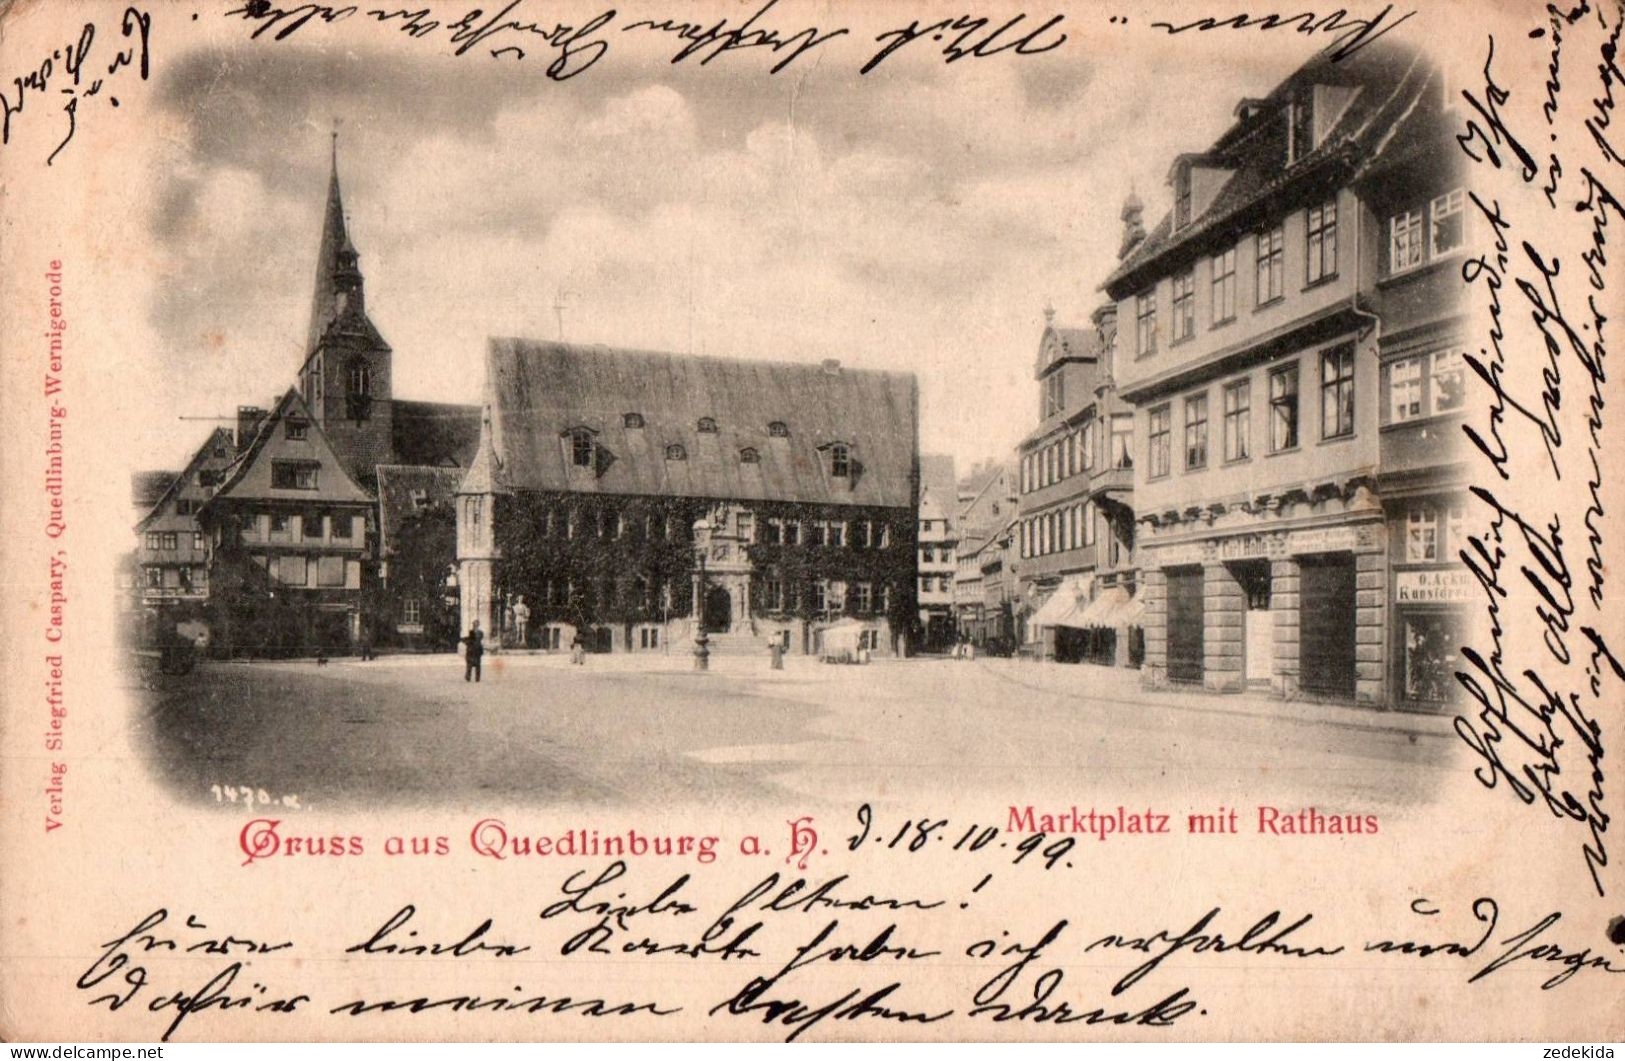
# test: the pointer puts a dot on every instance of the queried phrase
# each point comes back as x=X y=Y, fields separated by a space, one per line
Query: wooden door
x=1185 y=624
x=1326 y=624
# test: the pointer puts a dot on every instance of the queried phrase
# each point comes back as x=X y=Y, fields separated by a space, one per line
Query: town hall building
x=632 y=499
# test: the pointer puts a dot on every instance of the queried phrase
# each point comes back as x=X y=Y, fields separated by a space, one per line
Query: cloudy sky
x=916 y=218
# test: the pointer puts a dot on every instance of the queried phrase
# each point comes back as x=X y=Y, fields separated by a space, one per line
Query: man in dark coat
x=473 y=651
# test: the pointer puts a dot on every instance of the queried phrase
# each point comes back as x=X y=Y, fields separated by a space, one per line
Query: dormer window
x=581 y=447
x=748 y=455
x=840 y=460
x=1182 y=196
x=706 y=426
x=676 y=452
x=632 y=420
x=778 y=429
x=1301 y=124
x=297 y=430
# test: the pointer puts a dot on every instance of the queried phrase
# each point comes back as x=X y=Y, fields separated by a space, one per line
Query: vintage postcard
x=811 y=520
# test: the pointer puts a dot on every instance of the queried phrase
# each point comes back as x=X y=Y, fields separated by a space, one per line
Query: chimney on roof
x=832 y=366
x=249 y=418
x=1133 y=225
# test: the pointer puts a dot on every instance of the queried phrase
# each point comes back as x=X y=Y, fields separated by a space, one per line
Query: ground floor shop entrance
x=1326 y=624
x=1185 y=619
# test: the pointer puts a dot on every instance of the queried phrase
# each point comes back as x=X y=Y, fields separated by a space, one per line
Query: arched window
x=840 y=460
x=358 y=390
x=707 y=426
x=778 y=429
x=632 y=420
x=581 y=448
x=748 y=455
x=676 y=452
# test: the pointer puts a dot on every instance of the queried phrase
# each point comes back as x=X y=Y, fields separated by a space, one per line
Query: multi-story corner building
x=1255 y=352
x=984 y=596
x=634 y=499
x=1421 y=209
x=939 y=542
x=1076 y=530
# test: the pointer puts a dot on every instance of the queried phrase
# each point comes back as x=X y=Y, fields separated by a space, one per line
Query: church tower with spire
x=345 y=379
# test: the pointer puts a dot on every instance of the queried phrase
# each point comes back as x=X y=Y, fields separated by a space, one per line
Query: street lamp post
x=702 y=545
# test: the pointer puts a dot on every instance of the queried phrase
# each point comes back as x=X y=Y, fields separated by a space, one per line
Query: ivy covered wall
x=589 y=560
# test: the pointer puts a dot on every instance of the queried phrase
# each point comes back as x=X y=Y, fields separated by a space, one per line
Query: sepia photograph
x=764 y=521
x=1212 y=448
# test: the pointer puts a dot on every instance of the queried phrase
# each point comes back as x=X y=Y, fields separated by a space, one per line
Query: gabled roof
x=405 y=490
x=434 y=433
x=539 y=391
x=249 y=475
x=978 y=523
x=220 y=436
x=937 y=487
x=1059 y=344
x=1389 y=80
x=1078 y=342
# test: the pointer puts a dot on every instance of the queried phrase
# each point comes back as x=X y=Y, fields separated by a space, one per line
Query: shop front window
x=1430 y=654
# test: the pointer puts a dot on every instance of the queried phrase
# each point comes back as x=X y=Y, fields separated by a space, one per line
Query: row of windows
x=170 y=540
x=308 y=572
x=584 y=450
x=1080 y=452
x=936 y=583
x=930 y=554
x=572 y=522
x=645 y=591
x=707 y=425
x=1421 y=385
x=825 y=595
x=185 y=579
x=1336 y=415
x=1059 y=531
x=1269 y=265
x=1419 y=234
x=280 y=526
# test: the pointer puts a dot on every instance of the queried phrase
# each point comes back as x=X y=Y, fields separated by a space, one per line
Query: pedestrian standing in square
x=473 y=652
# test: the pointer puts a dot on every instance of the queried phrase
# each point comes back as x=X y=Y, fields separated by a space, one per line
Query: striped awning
x=1069 y=598
x=1114 y=607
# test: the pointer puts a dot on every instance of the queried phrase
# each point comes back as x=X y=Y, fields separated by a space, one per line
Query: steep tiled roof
x=1078 y=342
x=175 y=483
x=541 y=390
x=435 y=433
x=937 y=479
x=246 y=478
x=404 y=491
x=1389 y=80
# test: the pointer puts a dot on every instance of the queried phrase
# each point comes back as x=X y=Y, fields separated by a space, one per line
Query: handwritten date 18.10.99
x=926 y=833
